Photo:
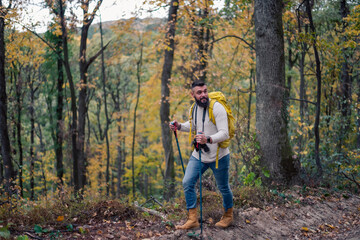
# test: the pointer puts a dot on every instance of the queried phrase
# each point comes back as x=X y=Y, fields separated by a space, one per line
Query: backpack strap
x=211 y=109
x=212 y=119
x=190 y=120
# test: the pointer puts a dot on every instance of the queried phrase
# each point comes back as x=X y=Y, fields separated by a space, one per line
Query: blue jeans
x=221 y=176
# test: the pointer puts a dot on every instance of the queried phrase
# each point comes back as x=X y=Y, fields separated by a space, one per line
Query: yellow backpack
x=217 y=97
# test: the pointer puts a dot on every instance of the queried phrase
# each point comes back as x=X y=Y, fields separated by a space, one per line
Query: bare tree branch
x=351 y=179
x=42 y=39
x=302 y=100
x=234 y=36
x=92 y=59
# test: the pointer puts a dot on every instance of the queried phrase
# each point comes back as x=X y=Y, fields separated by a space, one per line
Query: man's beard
x=202 y=104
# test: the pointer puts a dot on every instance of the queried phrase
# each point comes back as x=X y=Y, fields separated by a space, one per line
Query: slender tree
x=318 y=94
x=66 y=60
x=345 y=80
x=138 y=71
x=169 y=181
x=201 y=38
x=4 y=132
x=107 y=123
x=58 y=140
x=16 y=73
x=33 y=89
x=270 y=92
x=84 y=65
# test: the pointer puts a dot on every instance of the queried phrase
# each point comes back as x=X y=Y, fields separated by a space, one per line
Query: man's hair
x=197 y=83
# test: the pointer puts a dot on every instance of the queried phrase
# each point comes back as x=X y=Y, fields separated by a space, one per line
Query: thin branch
x=92 y=59
x=234 y=36
x=247 y=91
x=302 y=100
x=10 y=5
x=92 y=16
x=298 y=8
x=42 y=39
x=150 y=211
x=351 y=179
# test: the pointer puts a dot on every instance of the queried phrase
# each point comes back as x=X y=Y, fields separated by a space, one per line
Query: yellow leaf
x=247 y=221
x=60 y=218
x=82 y=230
x=305 y=229
x=330 y=226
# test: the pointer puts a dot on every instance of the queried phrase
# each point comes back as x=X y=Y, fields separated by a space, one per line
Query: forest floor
x=294 y=215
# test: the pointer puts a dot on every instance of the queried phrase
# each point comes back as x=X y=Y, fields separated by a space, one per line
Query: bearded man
x=207 y=137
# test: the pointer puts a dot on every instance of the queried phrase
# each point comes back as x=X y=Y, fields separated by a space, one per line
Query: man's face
x=200 y=94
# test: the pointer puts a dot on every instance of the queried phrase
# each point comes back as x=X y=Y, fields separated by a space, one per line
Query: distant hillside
x=146 y=24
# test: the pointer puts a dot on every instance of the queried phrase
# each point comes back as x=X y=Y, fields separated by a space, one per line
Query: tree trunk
x=73 y=125
x=103 y=77
x=32 y=136
x=302 y=90
x=4 y=133
x=270 y=92
x=169 y=180
x=43 y=150
x=345 y=82
x=120 y=158
x=58 y=141
x=18 y=93
x=318 y=94
x=358 y=113
x=138 y=64
x=83 y=106
x=252 y=80
x=201 y=36
x=82 y=110
x=119 y=161
x=304 y=49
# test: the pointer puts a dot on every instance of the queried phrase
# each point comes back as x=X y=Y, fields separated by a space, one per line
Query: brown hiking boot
x=192 y=221
x=226 y=219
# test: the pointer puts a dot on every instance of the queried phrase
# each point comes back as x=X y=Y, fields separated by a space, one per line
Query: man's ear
x=192 y=92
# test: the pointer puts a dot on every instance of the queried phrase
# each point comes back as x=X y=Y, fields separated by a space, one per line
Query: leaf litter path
x=313 y=218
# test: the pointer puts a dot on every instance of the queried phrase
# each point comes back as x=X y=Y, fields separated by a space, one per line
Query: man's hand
x=174 y=125
x=201 y=138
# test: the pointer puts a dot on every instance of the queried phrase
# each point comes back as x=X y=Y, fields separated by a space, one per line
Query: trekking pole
x=177 y=142
x=201 y=224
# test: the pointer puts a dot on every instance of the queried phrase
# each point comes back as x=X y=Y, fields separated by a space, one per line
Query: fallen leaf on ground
x=330 y=226
x=305 y=229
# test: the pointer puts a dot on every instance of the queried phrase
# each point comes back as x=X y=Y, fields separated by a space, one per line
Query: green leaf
x=168 y=223
x=22 y=237
x=82 y=230
x=258 y=182
x=146 y=214
x=249 y=179
x=193 y=234
x=38 y=229
x=266 y=173
x=4 y=232
x=70 y=227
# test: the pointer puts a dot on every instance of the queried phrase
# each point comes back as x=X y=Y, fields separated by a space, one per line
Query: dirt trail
x=313 y=218
x=334 y=216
